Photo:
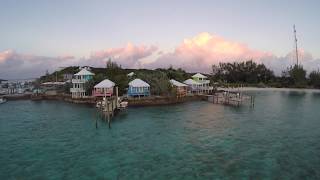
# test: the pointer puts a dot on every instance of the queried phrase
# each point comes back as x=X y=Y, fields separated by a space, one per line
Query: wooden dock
x=109 y=107
x=231 y=98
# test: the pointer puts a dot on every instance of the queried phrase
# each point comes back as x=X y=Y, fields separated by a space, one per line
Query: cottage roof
x=138 y=83
x=130 y=74
x=177 y=83
x=191 y=82
x=53 y=83
x=105 y=84
x=198 y=75
x=84 y=72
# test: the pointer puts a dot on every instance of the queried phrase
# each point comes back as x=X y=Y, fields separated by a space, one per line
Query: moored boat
x=121 y=104
x=2 y=100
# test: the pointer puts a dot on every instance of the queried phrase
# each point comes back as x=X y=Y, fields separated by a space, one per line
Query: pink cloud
x=194 y=54
x=128 y=56
x=203 y=50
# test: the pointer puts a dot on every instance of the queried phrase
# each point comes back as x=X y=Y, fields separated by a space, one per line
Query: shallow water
x=278 y=139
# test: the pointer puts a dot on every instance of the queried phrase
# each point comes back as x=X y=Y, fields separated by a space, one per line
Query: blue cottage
x=137 y=87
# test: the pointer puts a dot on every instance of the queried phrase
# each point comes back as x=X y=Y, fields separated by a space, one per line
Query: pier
x=108 y=107
x=231 y=98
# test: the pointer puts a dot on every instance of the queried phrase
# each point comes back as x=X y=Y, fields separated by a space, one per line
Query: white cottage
x=204 y=83
x=193 y=86
x=80 y=78
x=130 y=74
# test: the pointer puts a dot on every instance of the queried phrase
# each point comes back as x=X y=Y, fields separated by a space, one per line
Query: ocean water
x=277 y=139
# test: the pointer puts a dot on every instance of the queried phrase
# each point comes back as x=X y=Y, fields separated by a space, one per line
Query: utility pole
x=296 y=44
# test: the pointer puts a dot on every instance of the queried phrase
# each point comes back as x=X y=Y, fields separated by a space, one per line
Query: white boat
x=122 y=104
x=2 y=100
x=101 y=103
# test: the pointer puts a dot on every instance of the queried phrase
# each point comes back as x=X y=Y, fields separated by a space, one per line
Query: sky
x=37 y=35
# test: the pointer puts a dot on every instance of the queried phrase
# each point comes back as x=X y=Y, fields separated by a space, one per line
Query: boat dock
x=109 y=106
x=231 y=98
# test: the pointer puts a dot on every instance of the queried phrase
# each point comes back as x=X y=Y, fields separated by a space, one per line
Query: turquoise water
x=278 y=139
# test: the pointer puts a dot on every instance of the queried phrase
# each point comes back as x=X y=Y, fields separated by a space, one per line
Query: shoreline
x=132 y=102
x=147 y=101
x=252 y=88
x=161 y=100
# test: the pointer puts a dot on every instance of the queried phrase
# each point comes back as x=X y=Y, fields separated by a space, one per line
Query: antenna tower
x=296 y=44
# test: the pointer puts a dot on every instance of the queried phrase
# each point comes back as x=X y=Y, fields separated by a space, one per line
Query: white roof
x=198 y=75
x=53 y=83
x=177 y=83
x=138 y=83
x=84 y=72
x=105 y=84
x=130 y=74
x=191 y=82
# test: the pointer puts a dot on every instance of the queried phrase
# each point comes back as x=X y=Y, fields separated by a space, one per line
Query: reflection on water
x=277 y=139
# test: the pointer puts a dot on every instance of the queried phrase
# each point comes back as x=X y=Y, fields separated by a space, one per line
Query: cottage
x=193 y=86
x=181 y=89
x=204 y=83
x=80 y=78
x=137 y=87
x=103 y=89
x=130 y=74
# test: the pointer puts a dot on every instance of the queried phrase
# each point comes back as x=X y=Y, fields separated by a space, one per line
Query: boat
x=122 y=104
x=2 y=100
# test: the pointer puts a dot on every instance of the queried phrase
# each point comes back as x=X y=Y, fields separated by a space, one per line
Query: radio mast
x=296 y=44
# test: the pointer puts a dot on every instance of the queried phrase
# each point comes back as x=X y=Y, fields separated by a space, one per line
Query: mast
x=296 y=44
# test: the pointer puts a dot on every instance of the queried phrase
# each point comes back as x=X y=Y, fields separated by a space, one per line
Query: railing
x=101 y=94
x=204 y=81
x=134 y=93
x=206 y=88
x=73 y=90
x=78 y=81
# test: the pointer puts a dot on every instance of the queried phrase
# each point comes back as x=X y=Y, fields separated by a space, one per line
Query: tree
x=158 y=80
x=242 y=72
x=298 y=76
x=314 y=79
x=88 y=86
x=112 y=65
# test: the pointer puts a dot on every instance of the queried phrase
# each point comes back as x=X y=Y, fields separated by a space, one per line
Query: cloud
x=193 y=54
x=197 y=54
x=129 y=56
x=14 y=65
x=278 y=64
x=203 y=50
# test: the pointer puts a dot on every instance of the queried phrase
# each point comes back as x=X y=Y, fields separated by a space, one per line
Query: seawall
x=161 y=100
